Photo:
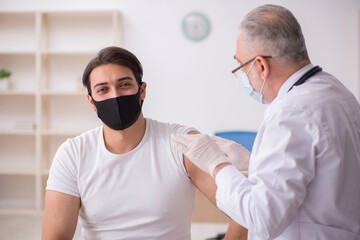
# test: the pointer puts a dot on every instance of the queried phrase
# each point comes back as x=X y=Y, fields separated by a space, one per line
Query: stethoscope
x=306 y=76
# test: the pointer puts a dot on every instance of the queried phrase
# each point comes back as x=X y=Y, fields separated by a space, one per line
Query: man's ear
x=143 y=91
x=92 y=105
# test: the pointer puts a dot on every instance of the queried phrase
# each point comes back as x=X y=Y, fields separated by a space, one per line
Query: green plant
x=4 y=73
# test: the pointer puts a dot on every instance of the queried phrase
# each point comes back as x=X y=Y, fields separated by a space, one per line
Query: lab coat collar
x=286 y=86
x=292 y=80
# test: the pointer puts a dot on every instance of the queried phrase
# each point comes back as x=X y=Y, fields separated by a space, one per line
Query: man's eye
x=101 y=90
x=125 y=84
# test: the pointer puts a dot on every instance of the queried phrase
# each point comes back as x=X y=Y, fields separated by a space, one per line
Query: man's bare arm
x=207 y=186
x=60 y=216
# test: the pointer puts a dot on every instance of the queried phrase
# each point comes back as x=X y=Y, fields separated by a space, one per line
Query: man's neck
x=121 y=142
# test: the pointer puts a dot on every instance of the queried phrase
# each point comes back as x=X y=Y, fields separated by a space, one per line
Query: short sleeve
x=63 y=171
x=178 y=156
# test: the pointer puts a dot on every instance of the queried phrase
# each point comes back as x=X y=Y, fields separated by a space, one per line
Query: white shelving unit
x=45 y=103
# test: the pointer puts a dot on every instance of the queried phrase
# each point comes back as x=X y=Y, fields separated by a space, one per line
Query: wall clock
x=196 y=26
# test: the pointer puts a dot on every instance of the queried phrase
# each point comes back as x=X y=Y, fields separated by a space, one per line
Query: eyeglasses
x=243 y=65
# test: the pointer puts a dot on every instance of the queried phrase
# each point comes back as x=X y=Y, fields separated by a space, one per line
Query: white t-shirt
x=143 y=194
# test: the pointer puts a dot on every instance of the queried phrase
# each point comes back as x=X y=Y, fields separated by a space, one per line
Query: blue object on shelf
x=244 y=138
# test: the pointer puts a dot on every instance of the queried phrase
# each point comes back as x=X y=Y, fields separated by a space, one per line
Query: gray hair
x=276 y=31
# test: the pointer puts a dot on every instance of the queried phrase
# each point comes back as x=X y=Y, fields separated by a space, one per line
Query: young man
x=124 y=179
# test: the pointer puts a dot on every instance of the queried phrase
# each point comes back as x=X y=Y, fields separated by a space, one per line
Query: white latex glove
x=239 y=156
x=201 y=149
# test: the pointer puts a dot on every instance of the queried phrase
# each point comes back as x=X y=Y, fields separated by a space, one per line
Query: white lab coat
x=304 y=173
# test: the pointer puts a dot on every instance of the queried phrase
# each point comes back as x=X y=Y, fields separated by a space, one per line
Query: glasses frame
x=244 y=64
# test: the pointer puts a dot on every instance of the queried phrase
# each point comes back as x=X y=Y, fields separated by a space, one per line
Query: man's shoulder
x=168 y=127
x=89 y=137
x=83 y=146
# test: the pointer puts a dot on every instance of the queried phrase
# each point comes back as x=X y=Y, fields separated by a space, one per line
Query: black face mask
x=121 y=112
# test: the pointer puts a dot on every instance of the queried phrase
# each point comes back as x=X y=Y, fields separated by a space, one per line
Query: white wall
x=191 y=83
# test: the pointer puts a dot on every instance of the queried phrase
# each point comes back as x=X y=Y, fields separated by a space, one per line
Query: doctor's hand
x=208 y=152
x=239 y=156
x=201 y=149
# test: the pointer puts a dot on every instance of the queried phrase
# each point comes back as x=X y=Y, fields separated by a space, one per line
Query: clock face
x=196 y=26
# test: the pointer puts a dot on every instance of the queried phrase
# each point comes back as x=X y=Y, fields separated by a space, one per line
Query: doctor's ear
x=263 y=66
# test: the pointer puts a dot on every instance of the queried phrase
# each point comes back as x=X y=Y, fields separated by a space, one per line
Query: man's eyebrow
x=124 y=78
x=105 y=83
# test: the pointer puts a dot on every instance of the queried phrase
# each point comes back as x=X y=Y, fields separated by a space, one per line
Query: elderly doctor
x=304 y=172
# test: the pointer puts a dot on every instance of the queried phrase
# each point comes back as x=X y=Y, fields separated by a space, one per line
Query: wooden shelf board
x=62 y=132
x=14 y=171
x=17 y=12
x=17 y=52
x=70 y=52
x=63 y=93
x=17 y=132
x=17 y=92
x=76 y=13
x=18 y=211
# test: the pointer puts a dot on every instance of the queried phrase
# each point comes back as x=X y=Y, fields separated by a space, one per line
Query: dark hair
x=114 y=55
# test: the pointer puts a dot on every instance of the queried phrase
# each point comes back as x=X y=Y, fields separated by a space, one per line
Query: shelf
x=68 y=133
x=17 y=52
x=22 y=66
x=17 y=132
x=18 y=211
x=20 y=113
x=14 y=171
x=17 y=191
x=86 y=14
x=64 y=93
x=46 y=102
x=71 y=68
x=68 y=114
x=90 y=52
x=15 y=203
x=17 y=93
x=17 y=32
x=17 y=153
x=88 y=31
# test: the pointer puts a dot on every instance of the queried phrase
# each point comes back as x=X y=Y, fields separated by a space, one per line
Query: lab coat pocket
x=313 y=231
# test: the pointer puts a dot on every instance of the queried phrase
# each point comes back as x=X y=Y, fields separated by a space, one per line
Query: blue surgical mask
x=247 y=85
